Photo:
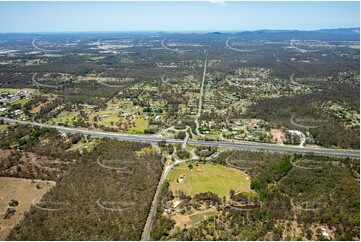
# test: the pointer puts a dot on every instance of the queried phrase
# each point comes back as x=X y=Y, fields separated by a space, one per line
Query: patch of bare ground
x=25 y=192
x=191 y=218
x=294 y=230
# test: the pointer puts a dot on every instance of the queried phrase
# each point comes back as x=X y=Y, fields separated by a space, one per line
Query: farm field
x=214 y=178
x=25 y=192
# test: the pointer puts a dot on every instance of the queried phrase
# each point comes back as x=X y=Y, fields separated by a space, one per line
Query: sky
x=175 y=16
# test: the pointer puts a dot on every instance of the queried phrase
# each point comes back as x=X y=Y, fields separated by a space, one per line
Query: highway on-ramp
x=221 y=144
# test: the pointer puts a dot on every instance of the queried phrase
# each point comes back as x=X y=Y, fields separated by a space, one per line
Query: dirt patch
x=144 y=151
x=192 y=219
x=4 y=153
x=278 y=136
x=25 y=192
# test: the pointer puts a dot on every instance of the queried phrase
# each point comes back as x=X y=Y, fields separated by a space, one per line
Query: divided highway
x=230 y=145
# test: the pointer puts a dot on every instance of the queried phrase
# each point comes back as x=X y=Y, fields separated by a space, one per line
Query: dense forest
x=106 y=195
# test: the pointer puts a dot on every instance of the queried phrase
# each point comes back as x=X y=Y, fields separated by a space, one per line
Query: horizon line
x=169 y=31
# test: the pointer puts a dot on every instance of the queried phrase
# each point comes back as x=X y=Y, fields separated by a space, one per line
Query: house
x=325 y=233
x=176 y=204
x=181 y=178
x=18 y=112
x=199 y=169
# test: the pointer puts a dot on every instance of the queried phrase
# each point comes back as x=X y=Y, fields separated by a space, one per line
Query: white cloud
x=222 y=2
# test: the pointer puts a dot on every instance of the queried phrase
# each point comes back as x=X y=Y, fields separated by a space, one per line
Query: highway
x=220 y=144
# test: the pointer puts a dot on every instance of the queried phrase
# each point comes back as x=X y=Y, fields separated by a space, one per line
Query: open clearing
x=14 y=90
x=22 y=190
x=192 y=219
x=207 y=177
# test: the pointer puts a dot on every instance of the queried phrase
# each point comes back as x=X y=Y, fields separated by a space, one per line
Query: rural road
x=153 y=209
x=201 y=98
x=253 y=146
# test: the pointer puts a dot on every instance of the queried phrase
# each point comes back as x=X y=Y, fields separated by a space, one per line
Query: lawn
x=64 y=116
x=20 y=101
x=214 y=178
x=140 y=125
x=109 y=117
x=14 y=90
x=200 y=216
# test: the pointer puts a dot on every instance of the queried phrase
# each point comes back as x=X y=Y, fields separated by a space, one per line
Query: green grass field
x=3 y=126
x=214 y=178
x=20 y=101
x=14 y=90
x=140 y=125
x=64 y=116
x=197 y=218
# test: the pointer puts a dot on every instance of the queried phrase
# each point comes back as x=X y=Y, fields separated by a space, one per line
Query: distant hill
x=341 y=34
x=350 y=31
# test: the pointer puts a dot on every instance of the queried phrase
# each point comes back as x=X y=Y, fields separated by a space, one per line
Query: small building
x=325 y=233
x=176 y=204
x=18 y=112
x=199 y=169
x=181 y=178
